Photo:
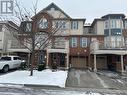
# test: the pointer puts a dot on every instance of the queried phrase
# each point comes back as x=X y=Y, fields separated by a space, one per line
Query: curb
x=42 y=86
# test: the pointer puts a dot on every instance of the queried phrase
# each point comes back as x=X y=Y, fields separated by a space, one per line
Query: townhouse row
x=101 y=45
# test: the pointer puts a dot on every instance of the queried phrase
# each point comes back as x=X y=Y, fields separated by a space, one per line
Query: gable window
x=74 y=42
x=74 y=25
x=83 y=42
x=28 y=27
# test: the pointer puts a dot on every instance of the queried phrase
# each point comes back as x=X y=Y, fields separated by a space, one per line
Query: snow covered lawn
x=45 y=77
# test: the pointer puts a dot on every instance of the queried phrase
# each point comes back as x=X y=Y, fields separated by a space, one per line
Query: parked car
x=9 y=62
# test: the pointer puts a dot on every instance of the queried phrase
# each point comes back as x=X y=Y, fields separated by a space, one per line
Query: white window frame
x=60 y=24
x=73 y=42
x=74 y=25
x=125 y=24
x=106 y=24
x=84 y=42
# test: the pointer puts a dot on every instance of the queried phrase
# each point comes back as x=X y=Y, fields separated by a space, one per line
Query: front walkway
x=88 y=79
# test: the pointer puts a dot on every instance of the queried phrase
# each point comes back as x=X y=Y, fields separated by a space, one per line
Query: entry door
x=62 y=59
x=42 y=57
x=58 y=59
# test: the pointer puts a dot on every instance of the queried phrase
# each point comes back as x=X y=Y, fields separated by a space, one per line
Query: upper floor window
x=60 y=24
x=83 y=42
x=115 y=23
x=125 y=41
x=74 y=42
x=43 y=23
x=0 y=28
x=106 y=24
x=74 y=25
x=125 y=24
x=28 y=27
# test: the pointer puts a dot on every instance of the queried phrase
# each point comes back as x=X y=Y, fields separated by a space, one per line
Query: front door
x=42 y=57
x=58 y=59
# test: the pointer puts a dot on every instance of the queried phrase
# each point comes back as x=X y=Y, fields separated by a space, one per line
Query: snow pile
x=46 y=77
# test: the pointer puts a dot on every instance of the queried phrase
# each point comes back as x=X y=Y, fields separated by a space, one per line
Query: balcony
x=15 y=46
x=61 y=47
x=111 y=47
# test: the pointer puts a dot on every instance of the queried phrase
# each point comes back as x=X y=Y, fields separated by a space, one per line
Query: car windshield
x=5 y=58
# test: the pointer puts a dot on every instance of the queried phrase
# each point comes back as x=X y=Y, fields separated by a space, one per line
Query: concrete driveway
x=88 y=79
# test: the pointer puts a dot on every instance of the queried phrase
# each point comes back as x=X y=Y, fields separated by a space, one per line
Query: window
x=115 y=23
x=43 y=23
x=83 y=42
x=6 y=58
x=74 y=42
x=74 y=25
x=126 y=24
x=60 y=24
x=125 y=41
x=17 y=58
x=0 y=28
x=28 y=27
x=106 y=24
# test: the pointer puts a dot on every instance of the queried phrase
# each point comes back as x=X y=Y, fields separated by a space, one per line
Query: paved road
x=62 y=91
x=87 y=79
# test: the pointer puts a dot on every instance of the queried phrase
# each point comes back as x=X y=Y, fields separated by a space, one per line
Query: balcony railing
x=13 y=44
x=96 y=45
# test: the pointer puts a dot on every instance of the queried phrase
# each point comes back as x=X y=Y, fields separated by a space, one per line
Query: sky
x=89 y=9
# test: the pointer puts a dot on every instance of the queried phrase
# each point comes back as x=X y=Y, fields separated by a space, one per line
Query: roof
x=10 y=23
x=105 y=16
x=95 y=20
x=54 y=6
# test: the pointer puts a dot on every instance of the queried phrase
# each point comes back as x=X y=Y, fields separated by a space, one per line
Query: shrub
x=54 y=66
x=41 y=67
x=23 y=66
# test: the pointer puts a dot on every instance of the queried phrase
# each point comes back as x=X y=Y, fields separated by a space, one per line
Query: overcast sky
x=89 y=9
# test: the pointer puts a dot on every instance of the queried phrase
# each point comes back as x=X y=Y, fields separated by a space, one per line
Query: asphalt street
x=61 y=91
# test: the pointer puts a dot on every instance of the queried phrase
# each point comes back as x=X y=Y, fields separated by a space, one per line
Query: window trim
x=74 y=25
x=74 y=41
x=84 y=42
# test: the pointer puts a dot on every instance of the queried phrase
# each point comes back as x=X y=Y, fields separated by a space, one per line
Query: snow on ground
x=45 y=77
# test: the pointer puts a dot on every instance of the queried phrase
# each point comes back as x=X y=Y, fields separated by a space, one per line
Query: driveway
x=88 y=79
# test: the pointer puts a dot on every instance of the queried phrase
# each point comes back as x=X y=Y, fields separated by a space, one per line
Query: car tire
x=5 y=68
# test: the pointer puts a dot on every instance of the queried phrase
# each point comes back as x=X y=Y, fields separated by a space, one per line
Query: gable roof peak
x=53 y=5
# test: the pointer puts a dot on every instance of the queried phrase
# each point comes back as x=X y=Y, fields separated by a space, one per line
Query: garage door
x=101 y=62
x=78 y=62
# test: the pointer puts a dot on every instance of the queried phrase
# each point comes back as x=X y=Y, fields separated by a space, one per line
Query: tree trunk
x=32 y=63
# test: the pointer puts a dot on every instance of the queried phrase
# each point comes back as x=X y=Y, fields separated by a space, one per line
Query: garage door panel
x=78 y=62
